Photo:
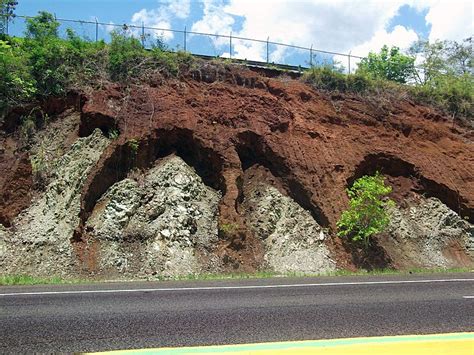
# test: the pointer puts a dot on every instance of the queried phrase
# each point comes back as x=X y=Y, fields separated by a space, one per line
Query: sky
x=341 y=26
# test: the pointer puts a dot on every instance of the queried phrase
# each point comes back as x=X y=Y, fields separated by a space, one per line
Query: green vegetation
x=389 y=64
x=9 y=280
x=446 y=76
x=443 y=80
x=43 y=64
x=114 y=134
x=17 y=84
x=134 y=144
x=7 y=9
x=327 y=78
x=271 y=274
x=228 y=228
x=367 y=214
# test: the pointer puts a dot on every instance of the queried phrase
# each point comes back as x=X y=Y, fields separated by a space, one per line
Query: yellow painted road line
x=433 y=344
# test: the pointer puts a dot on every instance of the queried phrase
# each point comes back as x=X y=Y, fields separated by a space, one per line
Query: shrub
x=228 y=228
x=42 y=26
x=326 y=78
x=330 y=79
x=134 y=145
x=450 y=93
x=87 y=62
x=389 y=64
x=48 y=59
x=126 y=56
x=47 y=54
x=17 y=85
x=367 y=214
x=359 y=83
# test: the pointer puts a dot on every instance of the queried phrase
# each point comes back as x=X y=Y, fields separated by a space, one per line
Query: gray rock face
x=429 y=234
x=165 y=223
x=293 y=240
x=39 y=241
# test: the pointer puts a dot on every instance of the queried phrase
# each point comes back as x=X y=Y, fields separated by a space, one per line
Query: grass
x=11 y=280
x=270 y=274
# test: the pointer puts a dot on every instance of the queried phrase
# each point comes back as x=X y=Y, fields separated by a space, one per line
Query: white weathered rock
x=168 y=219
x=293 y=240
x=426 y=233
x=39 y=241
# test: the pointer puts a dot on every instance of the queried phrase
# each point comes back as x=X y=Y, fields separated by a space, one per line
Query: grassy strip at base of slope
x=341 y=272
x=11 y=280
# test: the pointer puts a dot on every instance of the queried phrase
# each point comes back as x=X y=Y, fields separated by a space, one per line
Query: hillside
x=227 y=169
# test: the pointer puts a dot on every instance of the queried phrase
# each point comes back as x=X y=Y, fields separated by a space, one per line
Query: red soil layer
x=223 y=121
x=15 y=182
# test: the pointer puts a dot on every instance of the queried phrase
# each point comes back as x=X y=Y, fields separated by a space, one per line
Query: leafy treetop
x=42 y=26
x=389 y=64
x=367 y=213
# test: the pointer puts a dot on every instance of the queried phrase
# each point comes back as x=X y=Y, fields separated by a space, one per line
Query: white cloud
x=155 y=19
x=451 y=20
x=334 y=26
x=330 y=25
x=399 y=37
x=180 y=8
x=161 y=17
x=337 y=25
x=215 y=21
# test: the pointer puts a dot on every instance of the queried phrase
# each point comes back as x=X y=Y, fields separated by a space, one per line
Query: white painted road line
x=467 y=296
x=211 y=288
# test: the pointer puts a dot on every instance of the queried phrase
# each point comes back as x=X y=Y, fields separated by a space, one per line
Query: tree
x=389 y=64
x=446 y=76
x=443 y=58
x=42 y=26
x=17 y=85
x=367 y=214
x=7 y=9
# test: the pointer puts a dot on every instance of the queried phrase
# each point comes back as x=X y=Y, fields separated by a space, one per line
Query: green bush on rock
x=367 y=213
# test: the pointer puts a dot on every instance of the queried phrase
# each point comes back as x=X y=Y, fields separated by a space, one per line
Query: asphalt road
x=67 y=318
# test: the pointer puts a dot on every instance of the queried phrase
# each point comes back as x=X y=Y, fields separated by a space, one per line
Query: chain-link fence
x=206 y=44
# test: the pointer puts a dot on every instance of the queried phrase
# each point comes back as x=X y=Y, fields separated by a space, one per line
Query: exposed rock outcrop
x=428 y=234
x=164 y=220
x=39 y=240
x=293 y=240
x=163 y=223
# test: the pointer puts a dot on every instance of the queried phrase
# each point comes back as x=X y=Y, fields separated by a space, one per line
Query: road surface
x=95 y=317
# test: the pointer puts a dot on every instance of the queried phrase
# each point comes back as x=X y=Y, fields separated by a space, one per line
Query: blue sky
x=338 y=25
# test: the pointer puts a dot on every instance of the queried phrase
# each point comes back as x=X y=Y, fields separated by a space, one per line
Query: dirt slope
x=222 y=121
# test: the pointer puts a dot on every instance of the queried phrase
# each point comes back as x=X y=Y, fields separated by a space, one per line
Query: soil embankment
x=268 y=151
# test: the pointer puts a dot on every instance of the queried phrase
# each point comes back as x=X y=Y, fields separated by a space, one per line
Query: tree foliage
x=125 y=56
x=367 y=214
x=446 y=73
x=17 y=84
x=7 y=10
x=42 y=26
x=443 y=58
x=389 y=64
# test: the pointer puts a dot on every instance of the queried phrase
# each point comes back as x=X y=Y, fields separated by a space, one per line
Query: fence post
x=311 y=56
x=268 y=58
x=143 y=34
x=349 y=59
x=185 y=38
x=96 y=30
x=230 y=45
